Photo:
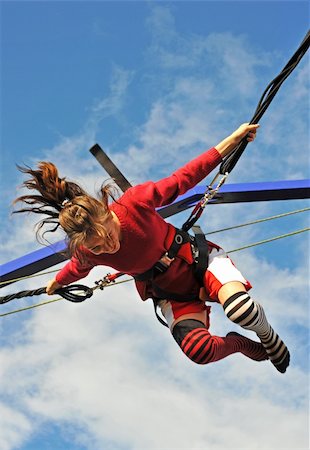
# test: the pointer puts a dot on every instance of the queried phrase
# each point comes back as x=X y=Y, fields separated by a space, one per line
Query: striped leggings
x=201 y=347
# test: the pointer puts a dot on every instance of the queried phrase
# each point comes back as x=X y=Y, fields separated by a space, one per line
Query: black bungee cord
x=70 y=292
x=231 y=160
x=75 y=293
x=67 y=292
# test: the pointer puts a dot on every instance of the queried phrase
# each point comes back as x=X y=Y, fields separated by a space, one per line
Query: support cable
x=254 y=222
x=231 y=160
x=100 y=284
x=264 y=219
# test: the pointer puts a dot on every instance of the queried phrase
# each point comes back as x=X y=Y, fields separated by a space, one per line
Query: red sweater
x=143 y=229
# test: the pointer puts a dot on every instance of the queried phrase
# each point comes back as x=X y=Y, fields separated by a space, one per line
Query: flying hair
x=66 y=205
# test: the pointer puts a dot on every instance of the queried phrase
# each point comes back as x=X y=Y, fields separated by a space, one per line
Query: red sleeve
x=165 y=191
x=73 y=271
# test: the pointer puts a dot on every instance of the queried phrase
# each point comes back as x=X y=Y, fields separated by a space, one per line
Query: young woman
x=130 y=236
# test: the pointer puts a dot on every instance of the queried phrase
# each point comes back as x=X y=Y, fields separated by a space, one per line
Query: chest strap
x=180 y=238
x=202 y=258
x=200 y=250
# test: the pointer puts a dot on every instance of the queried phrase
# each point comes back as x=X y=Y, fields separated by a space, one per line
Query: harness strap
x=200 y=251
x=180 y=238
x=161 y=294
x=157 y=315
x=203 y=253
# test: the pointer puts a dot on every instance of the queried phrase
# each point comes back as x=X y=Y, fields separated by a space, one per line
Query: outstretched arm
x=165 y=191
x=229 y=143
x=71 y=272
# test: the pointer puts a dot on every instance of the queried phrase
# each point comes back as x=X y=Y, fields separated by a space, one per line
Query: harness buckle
x=164 y=263
x=213 y=190
x=195 y=252
x=178 y=238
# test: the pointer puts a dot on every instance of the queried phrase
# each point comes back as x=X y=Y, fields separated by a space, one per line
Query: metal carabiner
x=212 y=191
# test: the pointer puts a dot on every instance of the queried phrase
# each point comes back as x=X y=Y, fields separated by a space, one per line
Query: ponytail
x=65 y=204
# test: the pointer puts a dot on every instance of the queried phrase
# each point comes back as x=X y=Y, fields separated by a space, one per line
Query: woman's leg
x=241 y=309
x=201 y=347
x=189 y=324
x=224 y=282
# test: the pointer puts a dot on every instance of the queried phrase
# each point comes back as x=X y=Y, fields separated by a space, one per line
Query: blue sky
x=154 y=83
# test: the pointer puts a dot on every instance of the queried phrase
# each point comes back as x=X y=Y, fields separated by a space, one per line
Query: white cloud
x=15 y=427
x=106 y=366
x=113 y=104
x=93 y=365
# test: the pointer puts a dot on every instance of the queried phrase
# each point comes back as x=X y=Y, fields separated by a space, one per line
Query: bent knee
x=194 y=340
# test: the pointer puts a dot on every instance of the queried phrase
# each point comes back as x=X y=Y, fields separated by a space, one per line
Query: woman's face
x=111 y=244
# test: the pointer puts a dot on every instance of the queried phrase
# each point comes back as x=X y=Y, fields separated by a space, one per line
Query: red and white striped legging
x=189 y=321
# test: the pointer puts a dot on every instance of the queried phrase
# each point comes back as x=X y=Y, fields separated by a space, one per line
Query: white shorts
x=221 y=270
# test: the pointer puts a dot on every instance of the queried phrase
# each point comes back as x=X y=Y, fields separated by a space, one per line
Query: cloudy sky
x=155 y=83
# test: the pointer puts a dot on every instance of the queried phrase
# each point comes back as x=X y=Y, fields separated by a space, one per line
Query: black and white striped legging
x=242 y=310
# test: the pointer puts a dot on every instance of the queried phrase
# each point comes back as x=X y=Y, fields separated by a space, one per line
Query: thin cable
x=30 y=307
x=278 y=216
x=265 y=241
x=265 y=219
x=28 y=276
x=57 y=299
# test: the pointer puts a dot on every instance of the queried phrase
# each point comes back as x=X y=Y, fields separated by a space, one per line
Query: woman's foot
x=277 y=351
x=251 y=349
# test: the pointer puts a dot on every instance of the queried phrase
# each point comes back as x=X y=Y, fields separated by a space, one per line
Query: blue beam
x=242 y=192
x=33 y=262
x=231 y=193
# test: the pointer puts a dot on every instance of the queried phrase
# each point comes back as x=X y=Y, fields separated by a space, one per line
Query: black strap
x=110 y=167
x=180 y=238
x=157 y=315
x=231 y=160
x=161 y=294
x=67 y=292
x=148 y=275
x=203 y=253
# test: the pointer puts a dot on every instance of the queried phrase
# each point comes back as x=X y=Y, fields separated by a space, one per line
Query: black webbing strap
x=180 y=238
x=231 y=160
x=201 y=264
x=161 y=294
x=76 y=293
x=110 y=167
x=203 y=253
x=157 y=315
x=147 y=275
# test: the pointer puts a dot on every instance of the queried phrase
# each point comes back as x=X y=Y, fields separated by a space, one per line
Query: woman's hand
x=52 y=286
x=229 y=144
x=245 y=130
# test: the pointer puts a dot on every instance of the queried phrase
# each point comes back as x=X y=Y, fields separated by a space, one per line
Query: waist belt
x=180 y=238
x=200 y=253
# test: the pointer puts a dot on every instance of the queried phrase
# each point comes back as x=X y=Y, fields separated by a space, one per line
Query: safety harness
x=200 y=252
x=198 y=242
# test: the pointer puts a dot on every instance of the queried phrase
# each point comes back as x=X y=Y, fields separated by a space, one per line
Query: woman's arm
x=229 y=143
x=165 y=191
x=71 y=272
x=52 y=286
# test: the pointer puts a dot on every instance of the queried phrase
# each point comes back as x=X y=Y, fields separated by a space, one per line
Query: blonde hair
x=66 y=205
